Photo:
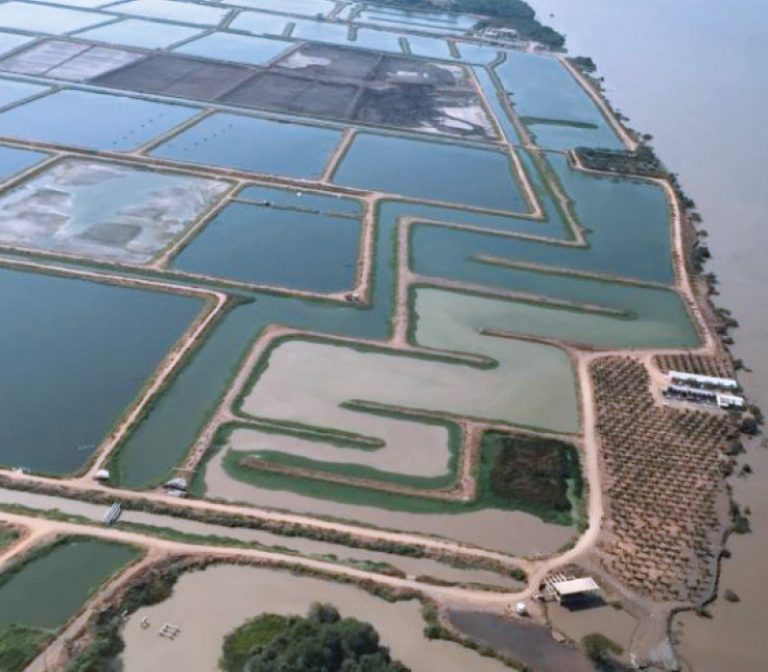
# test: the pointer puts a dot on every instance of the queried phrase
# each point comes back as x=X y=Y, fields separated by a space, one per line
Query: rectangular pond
x=431 y=171
x=620 y=217
x=11 y=41
x=433 y=21
x=235 y=48
x=13 y=160
x=171 y=10
x=12 y=91
x=64 y=59
x=141 y=33
x=92 y=120
x=300 y=7
x=557 y=110
x=377 y=40
x=48 y=590
x=74 y=355
x=253 y=144
x=261 y=24
x=428 y=47
x=30 y=17
x=256 y=244
x=103 y=210
x=318 y=31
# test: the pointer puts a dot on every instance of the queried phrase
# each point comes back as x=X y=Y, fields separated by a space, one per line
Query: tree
x=320 y=642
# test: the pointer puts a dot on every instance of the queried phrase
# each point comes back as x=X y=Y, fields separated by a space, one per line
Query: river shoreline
x=719 y=172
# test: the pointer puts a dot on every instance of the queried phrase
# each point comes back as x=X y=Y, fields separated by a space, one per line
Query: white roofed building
x=683 y=378
x=575 y=591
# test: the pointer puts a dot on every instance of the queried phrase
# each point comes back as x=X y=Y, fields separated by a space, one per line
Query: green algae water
x=48 y=590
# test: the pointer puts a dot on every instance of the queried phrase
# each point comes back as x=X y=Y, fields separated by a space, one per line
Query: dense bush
x=7 y=536
x=599 y=648
x=320 y=642
x=533 y=472
x=642 y=162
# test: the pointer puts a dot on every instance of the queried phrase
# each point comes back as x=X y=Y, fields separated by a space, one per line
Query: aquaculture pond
x=377 y=40
x=12 y=91
x=317 y=31
x=236 y=48
x=161 y=441
x=184 y=12
x=55 y=583
x=27 y=16
x=207 y=605
x=486 y=522
x=11 y=41
x=619 y=218
x=551 y=101
x=428 y=47
x=74 y=354
x=141 y=33
x=301 y=7
x=616 y=316
x=253 y=144
x=264 y=245
x=396 y=18
x=261 y=24
x=293 y=384
x=14 y=160
x=103 y=210
x=92 y=120
x=431 y=171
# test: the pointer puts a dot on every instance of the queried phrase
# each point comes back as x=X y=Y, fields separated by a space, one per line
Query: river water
x=693 y=74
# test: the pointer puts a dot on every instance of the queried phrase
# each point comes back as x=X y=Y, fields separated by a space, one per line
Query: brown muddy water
x=515 y=532
x=207 y=605
x=693 y=74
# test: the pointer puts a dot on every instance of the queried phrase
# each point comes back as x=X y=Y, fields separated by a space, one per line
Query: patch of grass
x=532 y=121
x=7 y=536
x=20 y=644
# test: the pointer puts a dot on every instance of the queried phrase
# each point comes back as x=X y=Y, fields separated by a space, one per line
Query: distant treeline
x=642 y=162
x=514 y=14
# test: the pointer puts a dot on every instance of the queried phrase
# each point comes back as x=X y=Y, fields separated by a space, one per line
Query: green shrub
x=19 y=645
x=320 y=642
